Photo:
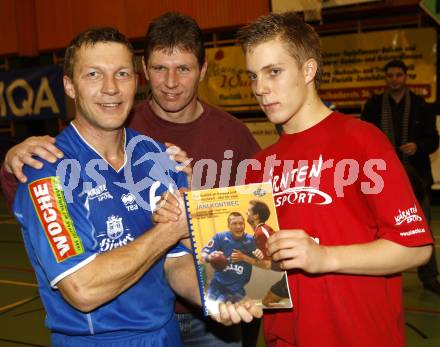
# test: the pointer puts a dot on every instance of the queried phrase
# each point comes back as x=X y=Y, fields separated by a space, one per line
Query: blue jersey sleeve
x=56 y=230
x=212 y=245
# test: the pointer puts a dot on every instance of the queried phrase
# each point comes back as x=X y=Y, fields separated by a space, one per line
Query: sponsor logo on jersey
x=302 y=195
x=284 y=193
x=238 y=269
x=114 y=233
x=129 y=201
x=51 y=207
x=299 y=182
x=114 y=227
x=413 y=232
x=100 y=192
x=409 y=215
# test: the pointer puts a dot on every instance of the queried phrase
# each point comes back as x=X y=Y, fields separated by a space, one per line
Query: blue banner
x=34 y=93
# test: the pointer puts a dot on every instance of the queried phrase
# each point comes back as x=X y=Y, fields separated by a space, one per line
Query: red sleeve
x=9 y=186
x=399 y=217
x=260 y=239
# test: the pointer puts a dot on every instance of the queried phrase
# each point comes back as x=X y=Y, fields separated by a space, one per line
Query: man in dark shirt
x=410 y=126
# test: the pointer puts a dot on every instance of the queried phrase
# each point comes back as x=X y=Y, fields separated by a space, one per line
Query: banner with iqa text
x=33 y=93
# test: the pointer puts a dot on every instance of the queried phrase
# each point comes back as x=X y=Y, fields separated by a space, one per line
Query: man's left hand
x=409 y=148
x=295 y=249
x=258 y=254
x=169 y=208
x=236 y=256
x=245 y=310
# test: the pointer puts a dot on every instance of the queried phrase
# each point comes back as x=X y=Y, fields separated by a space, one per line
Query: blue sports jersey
x=235 y=276
x=79 y=207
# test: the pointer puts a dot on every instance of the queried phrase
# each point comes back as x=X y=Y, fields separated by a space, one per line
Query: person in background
x=409 y=124
x=174 y=63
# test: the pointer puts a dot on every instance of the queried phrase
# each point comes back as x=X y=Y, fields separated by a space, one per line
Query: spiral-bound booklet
x=229 y=228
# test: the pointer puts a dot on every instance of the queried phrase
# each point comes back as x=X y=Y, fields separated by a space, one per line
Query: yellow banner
x=353 y=64
x=352 y=71
x=226 y=83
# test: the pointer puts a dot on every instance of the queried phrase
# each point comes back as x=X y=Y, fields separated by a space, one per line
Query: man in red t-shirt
x=257 y=215
x=348 y=217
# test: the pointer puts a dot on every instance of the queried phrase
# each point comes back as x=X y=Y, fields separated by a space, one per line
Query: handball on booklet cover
x=218 y=261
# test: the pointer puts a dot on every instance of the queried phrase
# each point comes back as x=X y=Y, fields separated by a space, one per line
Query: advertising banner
x=353 y=64
x=352 y=68
x=226 y=83
x=34 y=93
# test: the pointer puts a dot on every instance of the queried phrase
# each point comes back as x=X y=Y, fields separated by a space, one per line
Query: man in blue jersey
x=228 y=284
x=106 y=274
x=174 y=59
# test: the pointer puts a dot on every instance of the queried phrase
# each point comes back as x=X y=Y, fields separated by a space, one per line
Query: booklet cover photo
x=229 y=228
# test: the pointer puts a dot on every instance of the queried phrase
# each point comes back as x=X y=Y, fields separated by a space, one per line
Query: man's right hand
x=171 y=209
x=24 y=153
x=244 y=311
x=213 y=255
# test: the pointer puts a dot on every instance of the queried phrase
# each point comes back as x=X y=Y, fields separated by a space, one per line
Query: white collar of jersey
x=94 y=150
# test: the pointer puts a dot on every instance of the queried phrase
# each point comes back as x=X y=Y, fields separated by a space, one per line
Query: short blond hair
x=300 y=38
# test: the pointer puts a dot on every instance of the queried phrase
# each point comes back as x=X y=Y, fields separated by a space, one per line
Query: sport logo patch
x=50 y=205
x=409 y=215
x=129 y=201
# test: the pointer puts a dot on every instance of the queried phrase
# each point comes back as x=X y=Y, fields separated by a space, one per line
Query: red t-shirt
x=341 y=182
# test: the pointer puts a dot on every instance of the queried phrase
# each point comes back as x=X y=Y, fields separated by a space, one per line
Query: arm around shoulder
x=42 y=147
